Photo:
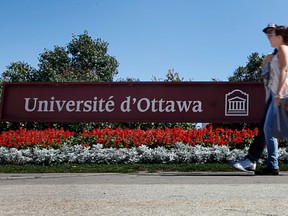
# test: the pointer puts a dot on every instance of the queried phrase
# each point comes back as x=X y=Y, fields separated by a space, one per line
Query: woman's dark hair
x=282 y=31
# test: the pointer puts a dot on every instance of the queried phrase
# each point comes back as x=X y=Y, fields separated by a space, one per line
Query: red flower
x=118 y=137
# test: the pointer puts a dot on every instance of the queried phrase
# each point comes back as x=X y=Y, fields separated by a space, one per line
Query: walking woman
x=278 y=89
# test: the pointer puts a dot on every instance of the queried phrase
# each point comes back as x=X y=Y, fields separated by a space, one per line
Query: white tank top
x=274 y=77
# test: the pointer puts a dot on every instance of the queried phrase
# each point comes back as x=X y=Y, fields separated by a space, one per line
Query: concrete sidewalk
x=175 y=193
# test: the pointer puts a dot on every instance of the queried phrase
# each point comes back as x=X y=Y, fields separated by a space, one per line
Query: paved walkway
x=143 y=194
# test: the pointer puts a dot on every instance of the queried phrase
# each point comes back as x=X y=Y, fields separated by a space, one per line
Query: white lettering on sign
x=95 y=105
x=161 y=105
x=108 y=105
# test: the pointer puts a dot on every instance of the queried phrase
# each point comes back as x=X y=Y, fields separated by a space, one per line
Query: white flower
x=180 y=153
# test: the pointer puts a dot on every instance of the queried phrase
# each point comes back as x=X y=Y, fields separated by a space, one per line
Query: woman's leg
x=259 y=143
x=272 y=143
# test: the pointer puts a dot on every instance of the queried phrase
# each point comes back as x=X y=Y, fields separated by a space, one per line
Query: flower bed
x=120 y=138
x=168 y=137
x=96 y=154
x=23 y=138
x=126 y=146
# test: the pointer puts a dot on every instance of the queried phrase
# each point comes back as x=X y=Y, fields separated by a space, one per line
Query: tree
x=84 y=59
x=171 y=76
x=250 y=72
x=128 y=79
x=19 y=72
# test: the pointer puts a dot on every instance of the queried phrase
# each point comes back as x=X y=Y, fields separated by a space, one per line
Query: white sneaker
x=244 y=165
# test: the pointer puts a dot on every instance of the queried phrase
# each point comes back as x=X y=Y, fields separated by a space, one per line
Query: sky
x=201 y=40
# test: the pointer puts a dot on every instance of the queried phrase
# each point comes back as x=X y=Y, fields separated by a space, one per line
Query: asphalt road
x=142 y=194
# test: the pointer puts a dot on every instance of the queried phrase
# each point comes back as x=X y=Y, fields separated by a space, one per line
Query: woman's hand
x=277 y=101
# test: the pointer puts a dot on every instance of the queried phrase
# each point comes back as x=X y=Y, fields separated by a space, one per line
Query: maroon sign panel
x=133 y=102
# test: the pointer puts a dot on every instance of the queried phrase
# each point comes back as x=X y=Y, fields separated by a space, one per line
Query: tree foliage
x=83 y=59
x=250 y=72
x=19 y=72
x=171 y=76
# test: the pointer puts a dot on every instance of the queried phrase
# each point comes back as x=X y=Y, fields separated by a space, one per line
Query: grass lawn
x=121 y=168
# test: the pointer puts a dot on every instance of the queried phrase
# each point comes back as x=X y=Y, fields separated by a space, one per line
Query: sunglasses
x=269 y=35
